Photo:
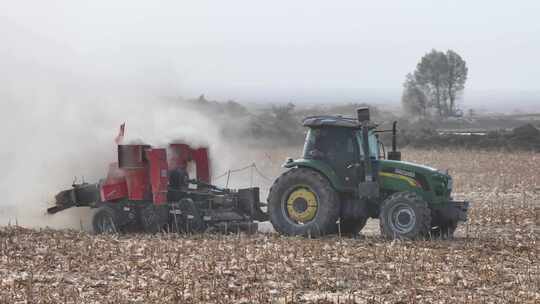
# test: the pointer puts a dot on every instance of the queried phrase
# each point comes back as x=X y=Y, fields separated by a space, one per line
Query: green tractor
x=344 y=178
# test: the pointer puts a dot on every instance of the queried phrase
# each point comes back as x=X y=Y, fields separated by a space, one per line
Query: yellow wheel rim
x=302 y=205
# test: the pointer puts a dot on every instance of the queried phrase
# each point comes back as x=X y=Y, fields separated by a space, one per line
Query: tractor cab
x=349 y=146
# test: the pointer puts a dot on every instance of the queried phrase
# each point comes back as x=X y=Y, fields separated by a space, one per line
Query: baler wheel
x=154 y=218
x=191 y=219
x=105 y=220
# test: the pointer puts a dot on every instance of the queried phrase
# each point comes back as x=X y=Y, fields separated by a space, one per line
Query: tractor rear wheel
x=405 y=215
x=302 y=202
x=106 y=220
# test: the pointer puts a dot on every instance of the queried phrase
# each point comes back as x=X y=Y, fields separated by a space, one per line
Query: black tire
x=106 y=220
x=405 y=215
x=190 y=220
x=327 y=203
x=444 y=231
x=352 y=228
x=154 y=218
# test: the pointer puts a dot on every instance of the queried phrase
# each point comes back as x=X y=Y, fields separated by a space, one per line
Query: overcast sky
x=245 y=48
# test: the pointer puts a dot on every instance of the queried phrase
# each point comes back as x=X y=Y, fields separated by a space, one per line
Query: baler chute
x=79 y=196
x=149 y=189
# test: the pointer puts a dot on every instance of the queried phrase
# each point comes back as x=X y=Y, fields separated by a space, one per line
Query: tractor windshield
x=322 y=143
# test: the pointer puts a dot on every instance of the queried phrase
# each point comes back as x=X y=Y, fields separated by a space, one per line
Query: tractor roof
x=330 y=121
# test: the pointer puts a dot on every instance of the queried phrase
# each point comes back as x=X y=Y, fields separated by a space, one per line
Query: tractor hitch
x=452 y=211
x=461 y=210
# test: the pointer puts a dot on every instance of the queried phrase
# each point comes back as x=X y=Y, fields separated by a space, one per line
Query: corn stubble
x=493 y=259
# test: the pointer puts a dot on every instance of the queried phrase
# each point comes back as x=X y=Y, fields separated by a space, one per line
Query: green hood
x=431 y=183
x=407 y=166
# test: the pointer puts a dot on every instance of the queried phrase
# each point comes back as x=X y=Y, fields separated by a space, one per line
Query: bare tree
x=455 y=81
x=431 y=74
x=437 y=81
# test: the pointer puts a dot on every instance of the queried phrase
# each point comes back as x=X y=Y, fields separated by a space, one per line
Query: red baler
x=149 y=189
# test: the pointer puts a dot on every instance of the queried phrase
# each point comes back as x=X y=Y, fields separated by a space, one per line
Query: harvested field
x=494 y=258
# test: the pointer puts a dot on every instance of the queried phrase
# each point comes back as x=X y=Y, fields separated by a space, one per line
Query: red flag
x=120 y=136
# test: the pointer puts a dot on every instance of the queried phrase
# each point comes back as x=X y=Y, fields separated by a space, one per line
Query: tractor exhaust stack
x=394 y=154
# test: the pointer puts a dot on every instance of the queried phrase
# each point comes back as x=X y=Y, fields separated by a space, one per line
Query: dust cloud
x=51 y=143
x=60 y=113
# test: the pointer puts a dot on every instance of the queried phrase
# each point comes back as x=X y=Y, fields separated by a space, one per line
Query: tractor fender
x=321 y=167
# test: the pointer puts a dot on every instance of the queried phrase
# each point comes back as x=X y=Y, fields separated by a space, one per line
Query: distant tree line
x=278 y=125
x=275 y=124
x=522 y=138
x=435 y=85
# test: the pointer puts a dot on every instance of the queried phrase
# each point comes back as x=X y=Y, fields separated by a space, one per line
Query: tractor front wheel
x=302 y=202
x=405 y=215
